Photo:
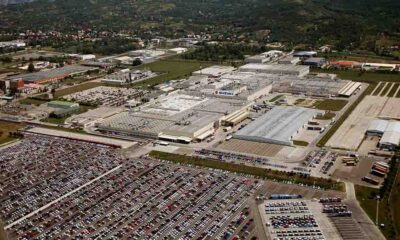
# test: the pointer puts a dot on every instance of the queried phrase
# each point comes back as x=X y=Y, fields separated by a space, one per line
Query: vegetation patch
x=300 y=143
x=276 y=98
x=7 y=130
x=330 y=104
x=326 y=116
x=394 y=89
x=249 y=170
x=389 y=212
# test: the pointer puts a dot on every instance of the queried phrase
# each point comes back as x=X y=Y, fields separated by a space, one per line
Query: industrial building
x=315 y=62
x=55 y=74
x=282 y=69
x=177 y=117
x=305 y=54
x=214 y=71
x=127 y=76
x=389 y=131
x=63 y=109
x=277 y=126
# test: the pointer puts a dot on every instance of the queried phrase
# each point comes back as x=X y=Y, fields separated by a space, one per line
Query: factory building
x=389 y=131
x=315 y=62
x=54 y=74
x=177 y=117
x=277 y=126
x=214 y=71
x=282 y=69
x=305 y=54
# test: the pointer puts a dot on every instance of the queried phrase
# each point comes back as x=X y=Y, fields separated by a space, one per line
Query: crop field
x=6 y=128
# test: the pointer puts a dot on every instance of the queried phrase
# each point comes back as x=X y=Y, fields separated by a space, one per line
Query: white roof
x=378 y=125
x=277 y=126
x=390 y=138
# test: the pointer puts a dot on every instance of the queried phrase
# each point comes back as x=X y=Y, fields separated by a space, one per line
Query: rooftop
x=277 y=126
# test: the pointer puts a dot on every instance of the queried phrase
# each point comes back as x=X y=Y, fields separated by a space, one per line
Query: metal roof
x=277 y=126
x=378 y=126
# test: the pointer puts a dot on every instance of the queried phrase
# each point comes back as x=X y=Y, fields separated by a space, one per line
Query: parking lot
x=104 y=96
x=296 y=219
x=71 y=189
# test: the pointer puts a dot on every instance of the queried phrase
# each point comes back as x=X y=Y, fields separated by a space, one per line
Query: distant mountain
x=7 y=2
x=341 y=22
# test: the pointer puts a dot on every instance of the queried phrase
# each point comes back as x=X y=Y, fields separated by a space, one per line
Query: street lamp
x=377 y=210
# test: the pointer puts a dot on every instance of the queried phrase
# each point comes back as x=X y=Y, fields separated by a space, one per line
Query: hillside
x=297 y=21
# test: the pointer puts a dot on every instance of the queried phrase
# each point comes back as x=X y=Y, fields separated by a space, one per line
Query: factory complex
x=177 y=117
x=389 y=131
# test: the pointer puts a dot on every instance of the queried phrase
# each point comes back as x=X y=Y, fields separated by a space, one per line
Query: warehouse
x=305 y=54
x=282 y=69
x=315 y=62
x=55 y=74
x=389 y=131
x=278 y=126
x=215 y=71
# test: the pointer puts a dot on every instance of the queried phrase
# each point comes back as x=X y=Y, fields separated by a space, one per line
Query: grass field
x=76 y=88
x=169 y=70
x=6 y=128
x=386 y=89
x=394 y=89
x=248 y=170
x=31 y=101
x=344 y=116
x=389 y=211
x=300 y=143
x=368 y=77
x=275 y=98
x=330 y=104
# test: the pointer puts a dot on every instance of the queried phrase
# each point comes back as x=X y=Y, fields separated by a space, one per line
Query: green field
x=300 y=143
x=344 y=116
x=330 y=104
x=170 y=70
x=276 y=98
x=394 y=89
x=368 y=77
x=31 y=101
x=76 y=88
x=249 y=170
x=386 y=89
x=6 y=128
x=389 y=211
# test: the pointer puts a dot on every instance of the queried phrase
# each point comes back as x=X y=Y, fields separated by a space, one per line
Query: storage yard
x=71 y=195
x=351 y=134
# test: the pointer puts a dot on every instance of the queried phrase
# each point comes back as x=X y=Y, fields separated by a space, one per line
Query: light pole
x=377 y=210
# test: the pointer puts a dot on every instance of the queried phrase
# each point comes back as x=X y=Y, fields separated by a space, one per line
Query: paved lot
x=352 y=132
x=262 y=149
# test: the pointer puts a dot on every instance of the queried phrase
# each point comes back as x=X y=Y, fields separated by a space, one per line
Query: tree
x=31 y=67
x=136 y=62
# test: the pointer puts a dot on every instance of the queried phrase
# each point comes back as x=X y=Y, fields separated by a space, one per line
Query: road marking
x=61 y=198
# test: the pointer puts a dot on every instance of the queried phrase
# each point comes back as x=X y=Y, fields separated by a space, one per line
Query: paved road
x=366 y=224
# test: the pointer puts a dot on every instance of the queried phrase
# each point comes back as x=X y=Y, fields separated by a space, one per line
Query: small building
x=305 y=54
x=63 y=105
x=178 y=50
x=315 y=62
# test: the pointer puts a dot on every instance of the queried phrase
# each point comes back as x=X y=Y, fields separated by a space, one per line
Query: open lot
x=351 y=133
x=330 y=104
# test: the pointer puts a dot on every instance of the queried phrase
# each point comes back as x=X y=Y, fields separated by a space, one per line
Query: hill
x=339 y=22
